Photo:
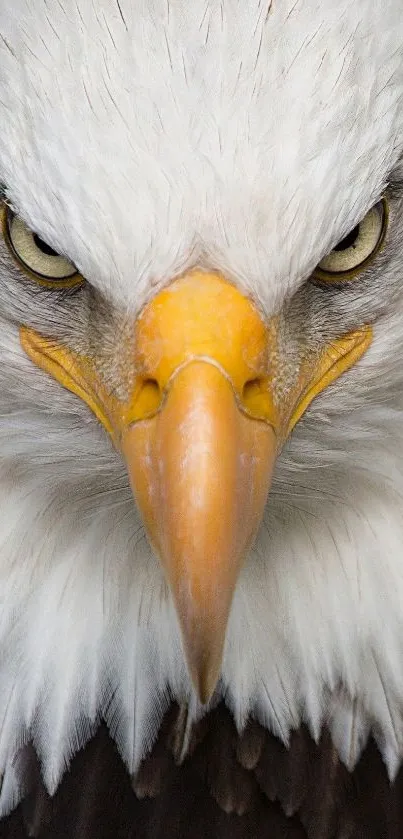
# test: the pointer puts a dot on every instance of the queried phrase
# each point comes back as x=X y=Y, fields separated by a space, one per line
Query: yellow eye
x=356 y=251
x=36 y=257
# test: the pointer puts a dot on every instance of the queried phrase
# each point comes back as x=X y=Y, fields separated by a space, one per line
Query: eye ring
x=41 y=262
x=373 y=233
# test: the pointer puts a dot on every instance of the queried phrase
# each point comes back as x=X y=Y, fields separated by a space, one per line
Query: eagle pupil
x=349 y=240
x=44 y=247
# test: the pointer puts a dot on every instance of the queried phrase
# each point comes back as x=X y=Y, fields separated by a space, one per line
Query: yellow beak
x=200 y=430
x=201 y=462
x=200 y=471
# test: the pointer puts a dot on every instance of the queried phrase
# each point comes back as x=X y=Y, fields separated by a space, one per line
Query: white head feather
x=141 y=139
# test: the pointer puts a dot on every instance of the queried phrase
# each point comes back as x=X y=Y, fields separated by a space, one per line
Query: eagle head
x=201 y=380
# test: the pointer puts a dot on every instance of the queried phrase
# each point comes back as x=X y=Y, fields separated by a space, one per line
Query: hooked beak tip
x=205 y=689
x=205 y=671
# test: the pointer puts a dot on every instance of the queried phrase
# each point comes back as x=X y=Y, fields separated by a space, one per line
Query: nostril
x=151 y=387
x=256 y=397
x=148 y=398
x=251 y=390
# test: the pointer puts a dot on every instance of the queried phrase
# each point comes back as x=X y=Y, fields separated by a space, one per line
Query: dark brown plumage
x=227 y=787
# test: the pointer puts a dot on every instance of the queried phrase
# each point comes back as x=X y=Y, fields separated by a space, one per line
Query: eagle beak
x=200 y=455
x=200 y=429
x=200 y=471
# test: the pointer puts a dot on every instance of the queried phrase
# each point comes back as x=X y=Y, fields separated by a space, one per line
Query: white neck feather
x=315 y=634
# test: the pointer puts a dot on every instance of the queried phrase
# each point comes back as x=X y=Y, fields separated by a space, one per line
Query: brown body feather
x=248 y=787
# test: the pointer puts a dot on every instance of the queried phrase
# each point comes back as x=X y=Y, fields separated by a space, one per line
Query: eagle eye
x=35 y=256
x=357 y=250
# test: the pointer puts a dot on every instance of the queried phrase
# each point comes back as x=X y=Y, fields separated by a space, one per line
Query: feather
x=244 y=137
x=301 y=793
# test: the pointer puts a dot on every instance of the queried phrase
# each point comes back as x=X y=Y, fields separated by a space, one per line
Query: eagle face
x=200 y=297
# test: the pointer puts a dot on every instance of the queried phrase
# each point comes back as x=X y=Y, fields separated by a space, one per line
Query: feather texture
x=303 y=792
x=141 y=139
x=210 y=129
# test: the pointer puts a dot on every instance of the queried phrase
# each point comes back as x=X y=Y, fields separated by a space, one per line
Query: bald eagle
x=201 y=428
